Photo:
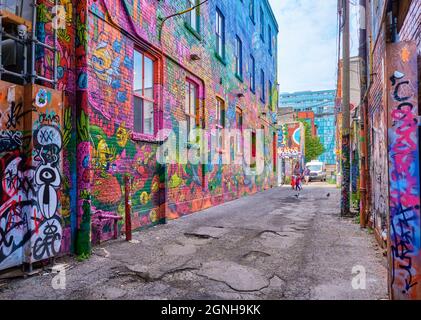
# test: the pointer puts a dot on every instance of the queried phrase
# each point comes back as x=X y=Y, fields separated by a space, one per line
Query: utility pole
x=346 y=165
x=363 y=116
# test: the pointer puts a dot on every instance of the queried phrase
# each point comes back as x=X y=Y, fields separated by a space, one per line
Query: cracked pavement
x=271 y=245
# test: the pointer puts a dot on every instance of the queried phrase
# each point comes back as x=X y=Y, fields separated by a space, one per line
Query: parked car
x=317 y=170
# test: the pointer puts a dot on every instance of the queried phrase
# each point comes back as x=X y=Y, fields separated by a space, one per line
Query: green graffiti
x=83 y=240
x=83 y=127
x=175 y=181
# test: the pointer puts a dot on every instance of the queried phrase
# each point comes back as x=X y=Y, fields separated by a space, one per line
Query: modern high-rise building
x=322 y=105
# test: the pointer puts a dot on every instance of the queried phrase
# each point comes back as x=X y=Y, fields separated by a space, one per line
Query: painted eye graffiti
x=47 y=175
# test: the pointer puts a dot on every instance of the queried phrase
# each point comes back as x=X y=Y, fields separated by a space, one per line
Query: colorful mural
x=31 y=224
x=81 y=152
x=405 y=226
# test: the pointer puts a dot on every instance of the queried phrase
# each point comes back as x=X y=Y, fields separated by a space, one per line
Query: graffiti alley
x=252 y=248
x=210 y=149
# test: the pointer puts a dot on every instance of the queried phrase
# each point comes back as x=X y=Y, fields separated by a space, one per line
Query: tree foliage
x=313 y=147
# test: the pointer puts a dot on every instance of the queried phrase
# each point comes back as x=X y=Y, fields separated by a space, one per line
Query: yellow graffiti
x=104 y=154
x=122 y=135
x=175 y=181
x=144 y=198
x=102 y=61
x=155 y=187
x=153 y=215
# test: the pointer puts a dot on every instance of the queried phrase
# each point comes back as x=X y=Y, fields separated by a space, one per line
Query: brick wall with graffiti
x=116 y=29
x=32 y=226
x=403 y=92
x=79 y=150
x=378 y=141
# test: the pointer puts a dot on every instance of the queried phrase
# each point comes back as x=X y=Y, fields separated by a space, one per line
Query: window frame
x=143 y=97
x=220 y=51
x=263 y=86
x=262 y=24
x=220 y=123
x=251 y=11
x=239 y=123
x=252 y=74
x=238 y=55
x=196 y=115
x=191 y=4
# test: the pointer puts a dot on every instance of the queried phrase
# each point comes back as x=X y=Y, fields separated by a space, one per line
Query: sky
x=308 y=44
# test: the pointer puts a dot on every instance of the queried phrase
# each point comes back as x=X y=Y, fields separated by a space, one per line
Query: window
x=239 y=127
x=191 y=107
x=270 y=93
x=144 y=100
x=263 y=93
x=238 y=57
x=252 y=74
x=262 y=25
x=270 y=39
x=220 y=122
x=220 y=33
x=253 y=150
x=193 y=17
x=251 y=10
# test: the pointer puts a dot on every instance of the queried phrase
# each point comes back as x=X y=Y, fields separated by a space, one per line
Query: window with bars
x=143 y=93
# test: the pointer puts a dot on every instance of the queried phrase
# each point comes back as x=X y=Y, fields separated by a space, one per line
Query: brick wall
x=411 y=30
x=378 y=133
x=115 y=28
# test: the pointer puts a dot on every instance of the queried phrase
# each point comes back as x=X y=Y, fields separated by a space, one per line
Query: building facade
x=386 y=132
x=134 y=75
x=322 y=104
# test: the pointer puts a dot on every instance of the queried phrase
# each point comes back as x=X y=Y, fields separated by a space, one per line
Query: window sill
x=253 y=20
x=221 y=59
x=192 y=31
x=239 y=77
x=253 y=90
x=142 y=137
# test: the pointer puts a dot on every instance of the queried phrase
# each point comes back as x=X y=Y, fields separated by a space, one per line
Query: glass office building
x=322 y=104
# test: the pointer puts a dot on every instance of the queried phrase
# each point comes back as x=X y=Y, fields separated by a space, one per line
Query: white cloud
x=307 y=44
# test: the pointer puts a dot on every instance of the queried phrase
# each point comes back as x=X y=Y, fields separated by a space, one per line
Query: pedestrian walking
x=307 y=176
x=296 y=177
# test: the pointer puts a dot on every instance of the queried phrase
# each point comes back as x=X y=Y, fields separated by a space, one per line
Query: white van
x=317 y=170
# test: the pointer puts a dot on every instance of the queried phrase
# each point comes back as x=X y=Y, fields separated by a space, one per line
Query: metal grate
x=20 y=46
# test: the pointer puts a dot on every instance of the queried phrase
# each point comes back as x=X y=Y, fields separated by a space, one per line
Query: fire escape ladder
x=18 y=43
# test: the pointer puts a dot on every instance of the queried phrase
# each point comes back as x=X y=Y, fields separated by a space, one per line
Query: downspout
x=83 y=154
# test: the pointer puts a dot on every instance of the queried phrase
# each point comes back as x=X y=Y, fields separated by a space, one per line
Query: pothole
x=198 y=236
x=255 y=255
